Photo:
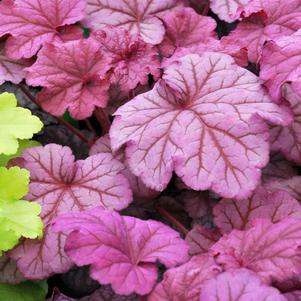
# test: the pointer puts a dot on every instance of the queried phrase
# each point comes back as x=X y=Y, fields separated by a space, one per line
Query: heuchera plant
x=167 y=169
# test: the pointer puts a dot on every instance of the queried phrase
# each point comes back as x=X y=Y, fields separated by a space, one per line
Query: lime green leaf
x=22 y=217
x=26 y=291
x=13 y=183
x=15 y=123
x=17 y=217
x=23 y=145
x=8 y=238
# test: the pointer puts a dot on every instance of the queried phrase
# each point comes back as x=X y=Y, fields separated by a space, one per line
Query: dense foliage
x=167 y=168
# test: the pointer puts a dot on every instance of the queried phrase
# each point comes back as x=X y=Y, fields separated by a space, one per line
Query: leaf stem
x=172 y=220
x=74 y=130
x=90 y=127
x=103 y=120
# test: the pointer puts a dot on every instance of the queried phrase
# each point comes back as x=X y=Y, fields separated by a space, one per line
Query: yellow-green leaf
x=15 y=123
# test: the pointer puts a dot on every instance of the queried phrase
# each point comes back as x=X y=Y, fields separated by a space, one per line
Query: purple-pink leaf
x=73 y=77
x=32 y=23
x=228 y=10
x=270 y=250
x=132 y=59
x=121 y=250
x=201 y=126
x=293 y=296
x=232 y=214
x=223 y=46
x=185 y=28
x=138 y=17
x=60 y=184
x=291 y=185
x=273 y=19
x=280 y=63
x=10 y=69
x=239 y=285
x=288 y=139
x=200 y=239
x=184 y=283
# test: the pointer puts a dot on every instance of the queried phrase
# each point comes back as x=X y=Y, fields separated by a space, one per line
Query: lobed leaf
x=32 y=23
x=60 y=184
x=15 y=123
x=200 y=125
x=121 y=250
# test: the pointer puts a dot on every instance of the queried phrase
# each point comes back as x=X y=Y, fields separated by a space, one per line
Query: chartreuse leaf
x=26 y=291
x=17 y=217
x=15 y=123
x=23 y=145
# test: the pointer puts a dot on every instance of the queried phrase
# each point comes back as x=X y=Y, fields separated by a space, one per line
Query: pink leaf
x=140 y=191
x=228 y=10
x=224 y=46
x=293 y=296
x=59 y=185
x=232 y=214
x=288 y=139
x=132 y=59
x=73 y=76
x=32 y=23
x=121 y=250
x=280 y=63
x=239 y=285
x=200 y=239
x=138 y=17
x=185 y=282
x=270 y=250
x=185 y=28
x=201 y=126
x=9 y=272
x=10 y=69
x=273 y=19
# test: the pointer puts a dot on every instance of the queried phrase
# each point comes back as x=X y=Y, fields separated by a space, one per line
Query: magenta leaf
x=32 y=23
x=273 y=19
x=232 y=214
x=132 y=59
x=281 y=63
x=185 y=282
x=192 y=122
x=9 y=272
x=270 y=250
x=138 y=17
x=10 y=69
x=200 y=239
x=72 y=75
x=239 y=285
x=60 y=184
x=228 y=10
x=121 y=250
x=185 y=28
